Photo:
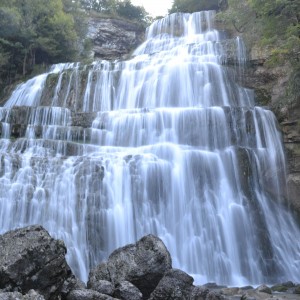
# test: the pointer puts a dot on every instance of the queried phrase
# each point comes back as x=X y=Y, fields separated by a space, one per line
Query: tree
x=38 y=32
x=239 y=14
x=280 y=21
x=129 y=11
x=190 y=6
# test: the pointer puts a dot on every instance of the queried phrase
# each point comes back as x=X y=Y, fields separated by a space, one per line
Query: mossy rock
x=297 y=289
x=279 y=288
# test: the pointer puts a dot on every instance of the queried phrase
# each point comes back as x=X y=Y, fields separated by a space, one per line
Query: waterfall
x=164 y=143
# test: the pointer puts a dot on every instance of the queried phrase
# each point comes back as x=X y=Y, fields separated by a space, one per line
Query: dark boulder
x=176 y=285
x=99 y=273
x=199 y=293
x=31 y=259
x=143 y=264
x=126 y=290
x=103 y=287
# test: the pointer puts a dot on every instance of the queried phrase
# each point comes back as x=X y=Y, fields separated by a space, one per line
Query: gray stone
x=31 y=295
x=126 y=290
x=143 y=264
x=100 y=272
x=103 y=287
x=175 y=285
x=87 y=295
x=71 y=283
x=114 y=38
x=31 y=259
x=264 y=289
x=198 y=293
x=212 y=295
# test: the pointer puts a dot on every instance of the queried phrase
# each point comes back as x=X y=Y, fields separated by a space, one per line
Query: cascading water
x=176 y=148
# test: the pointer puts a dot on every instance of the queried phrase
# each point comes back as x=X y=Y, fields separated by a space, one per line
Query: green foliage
x=239 y=15
x=275 y=25
x=117 y=8
x=38 y=32
x=190 y=6
x=280 y=23
x=294 y=86
x=128 y=10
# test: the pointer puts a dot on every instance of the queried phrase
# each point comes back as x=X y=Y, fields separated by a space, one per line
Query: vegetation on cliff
x=35 y=33
x=190 y=6
x=273 y=26
x=117 y=8
x=38 y=32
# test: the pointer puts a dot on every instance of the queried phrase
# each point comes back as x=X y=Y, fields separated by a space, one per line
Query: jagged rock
x=87 y=295
x=264 y=289
x=114 y=38
x=31 y=259
x=102 y=286
x=143 y=264
x=97 y=274
x=31 y=295
x=198 y=293
x=71 y=283
x=176 y=285
x=126 y=290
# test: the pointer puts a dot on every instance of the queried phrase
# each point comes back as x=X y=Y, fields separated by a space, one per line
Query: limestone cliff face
x=271 y=86
x=114 y=38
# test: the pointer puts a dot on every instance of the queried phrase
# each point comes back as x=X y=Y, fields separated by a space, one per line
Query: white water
x=177 y=149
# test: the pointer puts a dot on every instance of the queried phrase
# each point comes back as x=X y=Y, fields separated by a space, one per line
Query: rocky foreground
x=33 y=267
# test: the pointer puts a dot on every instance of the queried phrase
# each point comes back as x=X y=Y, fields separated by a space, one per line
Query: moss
x=279 y=288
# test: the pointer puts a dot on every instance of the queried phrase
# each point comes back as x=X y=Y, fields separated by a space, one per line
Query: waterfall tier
x=165 y=143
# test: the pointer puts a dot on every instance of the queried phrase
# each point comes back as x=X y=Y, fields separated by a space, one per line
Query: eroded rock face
x=271 y=87
x=126 y=290
x=114 y=38
x=31 y=259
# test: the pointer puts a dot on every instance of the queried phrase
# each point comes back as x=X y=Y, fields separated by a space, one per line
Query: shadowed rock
x=143 y=264
x=176 y=285
x=31 y=259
